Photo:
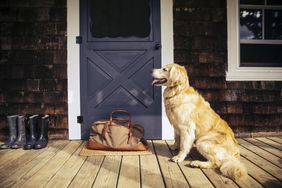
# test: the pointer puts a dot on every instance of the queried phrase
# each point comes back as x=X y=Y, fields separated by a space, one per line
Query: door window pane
x=120 y=18
x=273 y=24
x=250 y=24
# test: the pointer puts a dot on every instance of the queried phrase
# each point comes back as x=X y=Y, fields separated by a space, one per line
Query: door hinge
x=78 y=39
x=79 y=119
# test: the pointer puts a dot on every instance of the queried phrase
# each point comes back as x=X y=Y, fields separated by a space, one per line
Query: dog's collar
x=177 y=90
x=172 y=103
x=171 y=99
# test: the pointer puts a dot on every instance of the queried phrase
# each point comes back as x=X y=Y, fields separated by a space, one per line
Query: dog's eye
x=165 y=69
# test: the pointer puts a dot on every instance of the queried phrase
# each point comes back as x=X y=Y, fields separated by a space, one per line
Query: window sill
x=254 y=74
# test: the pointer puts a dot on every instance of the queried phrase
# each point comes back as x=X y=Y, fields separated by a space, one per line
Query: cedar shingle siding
x=33 y=63
x=200 y=42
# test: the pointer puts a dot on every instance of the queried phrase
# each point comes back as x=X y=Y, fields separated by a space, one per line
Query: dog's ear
x=184 y=79
x=177 y=76
x=174 y=77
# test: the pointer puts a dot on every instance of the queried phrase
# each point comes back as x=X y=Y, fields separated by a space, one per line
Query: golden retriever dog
x=195 y=122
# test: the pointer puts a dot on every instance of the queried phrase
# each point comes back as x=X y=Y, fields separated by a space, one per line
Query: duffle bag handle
x=120 y=119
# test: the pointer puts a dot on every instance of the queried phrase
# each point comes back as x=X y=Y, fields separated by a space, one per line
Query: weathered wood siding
x=200 y=42
x=33 y=61
x=33 y=65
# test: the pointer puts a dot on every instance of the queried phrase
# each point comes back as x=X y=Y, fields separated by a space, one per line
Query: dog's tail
x=233 y=169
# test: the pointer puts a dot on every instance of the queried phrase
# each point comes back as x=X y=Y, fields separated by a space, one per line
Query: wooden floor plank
x=108 y=174
x=130 y=172
x=11 y=155
x=66 y=173
x=24 y=172
x=150 y=172
x=10 y=167
x=264 y=154
x=249 y=182
x=88 y=172
x=194 y=176
x=264 y=146
x=276 y=139
x=59 y=165
x=260 y=175
x=24 y=157
x=262 y=163
x=271 y=143
x=41 y=178
x=172 y=174
x=214 y=176
x=3 y=150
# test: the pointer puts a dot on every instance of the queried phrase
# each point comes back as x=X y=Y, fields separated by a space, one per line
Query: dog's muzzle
x=159 y=81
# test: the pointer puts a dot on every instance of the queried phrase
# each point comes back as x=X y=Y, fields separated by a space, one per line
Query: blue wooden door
x=119 y=48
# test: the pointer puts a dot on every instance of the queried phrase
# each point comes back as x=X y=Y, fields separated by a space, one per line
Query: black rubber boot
x=12 y=124
x=21 y=139
x=43 y=139
x=33 y=132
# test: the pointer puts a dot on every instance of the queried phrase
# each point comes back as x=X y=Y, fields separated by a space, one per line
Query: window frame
x=235 y=72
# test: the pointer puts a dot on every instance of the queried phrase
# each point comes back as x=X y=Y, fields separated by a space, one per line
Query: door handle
x=158 y=46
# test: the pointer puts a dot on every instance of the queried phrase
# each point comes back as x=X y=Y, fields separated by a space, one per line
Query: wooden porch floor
x=59 y=165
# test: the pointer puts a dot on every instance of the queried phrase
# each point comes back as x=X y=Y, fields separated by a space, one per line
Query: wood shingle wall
x=200 y=42
x=33 y=65
x=33 y=62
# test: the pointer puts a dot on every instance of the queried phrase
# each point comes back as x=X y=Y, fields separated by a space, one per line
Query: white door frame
x=73 y=58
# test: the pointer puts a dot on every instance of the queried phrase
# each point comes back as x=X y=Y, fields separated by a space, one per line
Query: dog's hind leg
x=206 y=149
x=217 y=156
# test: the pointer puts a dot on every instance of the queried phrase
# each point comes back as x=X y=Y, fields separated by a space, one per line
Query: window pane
x=252 y=2
x=274 y=2
x=273 y=24
x=250 y=24
x=120 y=18
x=261 y=55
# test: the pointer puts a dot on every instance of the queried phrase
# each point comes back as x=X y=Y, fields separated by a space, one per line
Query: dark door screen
x=124 y=18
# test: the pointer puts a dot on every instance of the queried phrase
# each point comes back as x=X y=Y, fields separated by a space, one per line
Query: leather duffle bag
x=117 y=133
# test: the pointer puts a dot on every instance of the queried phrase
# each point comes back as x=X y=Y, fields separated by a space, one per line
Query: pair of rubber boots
x=38 y=132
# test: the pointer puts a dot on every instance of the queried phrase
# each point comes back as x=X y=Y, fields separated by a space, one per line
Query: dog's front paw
x=178 y=158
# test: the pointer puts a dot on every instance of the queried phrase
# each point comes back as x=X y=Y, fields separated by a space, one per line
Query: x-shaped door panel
x=120 y=77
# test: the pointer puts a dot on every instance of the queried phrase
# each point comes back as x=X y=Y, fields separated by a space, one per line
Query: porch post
x=167 y=55
x=73 y=69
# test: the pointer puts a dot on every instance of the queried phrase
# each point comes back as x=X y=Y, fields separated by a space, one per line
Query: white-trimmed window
x=254 y=40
